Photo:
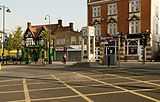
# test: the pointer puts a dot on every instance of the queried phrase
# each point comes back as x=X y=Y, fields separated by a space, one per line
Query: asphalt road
x=57 y=83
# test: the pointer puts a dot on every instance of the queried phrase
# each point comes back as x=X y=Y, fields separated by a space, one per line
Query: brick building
x=63 y=40
x=132 y=18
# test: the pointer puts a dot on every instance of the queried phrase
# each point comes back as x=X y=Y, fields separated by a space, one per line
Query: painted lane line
x=32 y=90
x=10 y=80
x=123 y=83
x=45 y=89
x=118 y=87
x=137 y=80
x=73 y=89
x=94 y=94
x=10 y=85
x=17 y=101
x=96 y=85
x=26 y=91
x=55 y=98
x=64 y=87
x=74 y=96
x=115 y=92
x=10 y=92
x=105 y=75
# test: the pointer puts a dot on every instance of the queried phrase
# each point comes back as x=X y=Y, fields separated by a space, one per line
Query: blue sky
x=34 y=11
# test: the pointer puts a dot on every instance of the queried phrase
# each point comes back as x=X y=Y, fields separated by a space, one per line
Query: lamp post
x=119 y=46
x=4 y=9
x=50 y=62
x=145 y=38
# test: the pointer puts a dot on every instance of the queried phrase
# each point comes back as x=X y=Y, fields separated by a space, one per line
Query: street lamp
x=145 y=39
x=119 y=34
x=4 y=9
x=50 y=62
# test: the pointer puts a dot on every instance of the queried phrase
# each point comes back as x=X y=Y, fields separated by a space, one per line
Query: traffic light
x=144 y=40
x=144 y=44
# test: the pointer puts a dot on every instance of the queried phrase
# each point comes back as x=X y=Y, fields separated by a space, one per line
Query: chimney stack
x=60 y=22
x=28 y=24
x=71 y=26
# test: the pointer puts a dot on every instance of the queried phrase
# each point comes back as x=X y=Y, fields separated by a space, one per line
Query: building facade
x=63 y=40
x=131 y=18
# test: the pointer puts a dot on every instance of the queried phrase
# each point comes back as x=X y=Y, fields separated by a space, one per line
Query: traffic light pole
x=144 y=40
x=144 y=53
x=119 y=41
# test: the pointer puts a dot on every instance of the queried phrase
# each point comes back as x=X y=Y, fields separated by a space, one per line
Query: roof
x=37 y=29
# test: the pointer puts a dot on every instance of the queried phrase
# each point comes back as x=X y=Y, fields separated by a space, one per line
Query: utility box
x=110 y=56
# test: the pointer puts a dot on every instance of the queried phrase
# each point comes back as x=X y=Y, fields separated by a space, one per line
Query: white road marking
x=31 y=90
x=5 y=92
x=115 y=92
x=36 y=76
x=124 y=89
x=73 y=89
x=17 y=101
x=10 y=85
x=26 y=91
x=134 y=82
x=79 y=86
x=10 y=80
x=54 y=98
x=119 y=70
x=137 y=80
x=94 y=94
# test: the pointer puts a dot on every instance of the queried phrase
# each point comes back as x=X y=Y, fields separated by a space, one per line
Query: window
x=97 y=29
x=60 y=41
x=96 y=11
x=73 y=40
x=112 y=28
x=157 y=28
x=134 y=27
x=134 y=6
x=29 y=41
x=133 y=47
x=112 y=9
x=80 y=40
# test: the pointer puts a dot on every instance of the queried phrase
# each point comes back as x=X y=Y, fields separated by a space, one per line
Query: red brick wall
x=103 y=18
x=90 y=15
x=123 y=9
x=145 y=15
x=123 y=15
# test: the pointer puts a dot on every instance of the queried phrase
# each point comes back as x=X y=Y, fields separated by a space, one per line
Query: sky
x=34 y=11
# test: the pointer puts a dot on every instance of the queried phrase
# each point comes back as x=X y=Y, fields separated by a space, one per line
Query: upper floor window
x=60 y=41
x=112 y=28
x=157 y=28
x=112 y=9
x=97 y=29
x=134 y=6
x=134 y=27
x=73 y=40
x=29 y=41
x=80 y=39
x=96 y=11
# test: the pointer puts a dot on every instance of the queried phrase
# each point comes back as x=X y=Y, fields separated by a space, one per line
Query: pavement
x=63 y=83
